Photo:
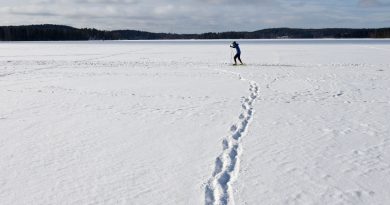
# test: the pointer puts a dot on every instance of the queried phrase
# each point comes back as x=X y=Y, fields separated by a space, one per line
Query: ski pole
x=231 y=55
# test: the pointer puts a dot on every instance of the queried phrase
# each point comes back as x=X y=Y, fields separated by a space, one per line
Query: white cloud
x=163 y=10
x=189 y=16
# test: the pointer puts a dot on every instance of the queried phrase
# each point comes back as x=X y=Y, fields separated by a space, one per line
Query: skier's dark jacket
x=235 y=45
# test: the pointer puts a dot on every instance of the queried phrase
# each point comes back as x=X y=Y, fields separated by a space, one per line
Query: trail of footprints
x=218 y=189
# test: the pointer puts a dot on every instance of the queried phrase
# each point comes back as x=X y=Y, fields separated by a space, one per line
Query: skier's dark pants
x=238 y=55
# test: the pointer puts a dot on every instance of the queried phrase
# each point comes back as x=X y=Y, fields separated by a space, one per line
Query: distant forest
x=49 y=32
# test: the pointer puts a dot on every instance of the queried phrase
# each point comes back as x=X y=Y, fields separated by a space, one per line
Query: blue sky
x=196 y=16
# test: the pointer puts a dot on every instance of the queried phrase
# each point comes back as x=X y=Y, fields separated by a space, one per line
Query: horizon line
x=157 y=32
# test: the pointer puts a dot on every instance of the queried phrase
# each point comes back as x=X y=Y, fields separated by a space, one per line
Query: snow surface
x=172 y=122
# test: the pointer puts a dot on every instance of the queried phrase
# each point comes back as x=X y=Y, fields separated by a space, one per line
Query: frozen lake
x=172 y=122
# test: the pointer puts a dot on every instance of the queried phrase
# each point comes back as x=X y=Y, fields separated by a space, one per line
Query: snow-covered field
x=304 y=122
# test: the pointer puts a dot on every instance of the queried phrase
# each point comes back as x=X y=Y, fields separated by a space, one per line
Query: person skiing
x=238 y=53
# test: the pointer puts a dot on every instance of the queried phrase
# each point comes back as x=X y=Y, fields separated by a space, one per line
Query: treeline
x=49 y=32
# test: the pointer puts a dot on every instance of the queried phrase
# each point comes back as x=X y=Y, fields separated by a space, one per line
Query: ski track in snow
x=57 y=65
x=218 y=189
